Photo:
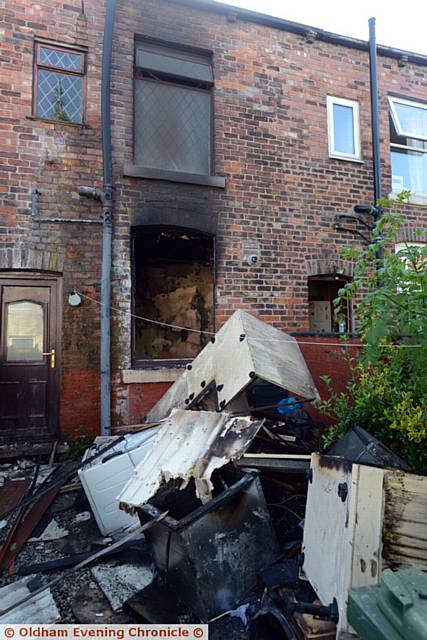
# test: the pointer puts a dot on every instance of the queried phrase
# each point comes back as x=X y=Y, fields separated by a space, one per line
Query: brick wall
x=282 y=189
x=55 y=158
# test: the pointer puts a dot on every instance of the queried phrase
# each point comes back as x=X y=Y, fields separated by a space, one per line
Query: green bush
x=387 y=392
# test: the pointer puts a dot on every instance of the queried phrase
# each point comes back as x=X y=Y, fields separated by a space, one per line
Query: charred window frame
x=147 y=252
x=59 y=83
x=173 y=109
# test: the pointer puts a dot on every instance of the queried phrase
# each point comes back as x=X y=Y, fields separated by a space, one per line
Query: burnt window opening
x=322 y=291
x=173 y=109
x=173 y=282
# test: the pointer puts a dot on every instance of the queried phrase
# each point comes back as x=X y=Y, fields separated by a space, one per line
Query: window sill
x=419 y=199
x=151 y=375
x=335 y=156
x=137 y=171
x=81 y=125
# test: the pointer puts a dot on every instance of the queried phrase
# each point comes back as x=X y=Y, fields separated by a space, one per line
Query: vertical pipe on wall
x=375 y=121
x=107 y=228
x=375 y=125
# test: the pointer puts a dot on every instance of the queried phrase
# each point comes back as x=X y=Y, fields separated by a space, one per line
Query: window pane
x=172 y=127
x=24 y=332
x=395 y=138
x=174 y=64
x=343 y=129
x=412 y=120
x=60 y=96
x=409 y=170
x=61 y=59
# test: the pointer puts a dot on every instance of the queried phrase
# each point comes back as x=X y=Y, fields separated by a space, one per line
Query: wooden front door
x=29 y=349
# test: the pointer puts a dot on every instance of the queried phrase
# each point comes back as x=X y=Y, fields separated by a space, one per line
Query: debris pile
x=218 y=510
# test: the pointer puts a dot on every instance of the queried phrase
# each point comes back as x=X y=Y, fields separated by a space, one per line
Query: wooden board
x=11 y=494
x=405 y=520
x=342 y=538
x=383 y=522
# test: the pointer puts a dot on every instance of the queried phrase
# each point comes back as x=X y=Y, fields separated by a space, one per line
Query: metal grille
x=61 y=59
x=172 y=127
x=60 y=96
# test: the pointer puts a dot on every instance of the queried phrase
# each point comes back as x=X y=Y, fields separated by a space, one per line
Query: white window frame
x=400 y=246
x=411 y=103
x=354 y=105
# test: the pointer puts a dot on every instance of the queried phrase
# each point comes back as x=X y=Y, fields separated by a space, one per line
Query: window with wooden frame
x=59 y=83
x=173 y=109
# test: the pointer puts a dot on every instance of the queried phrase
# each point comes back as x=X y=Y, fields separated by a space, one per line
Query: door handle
x=52 y=357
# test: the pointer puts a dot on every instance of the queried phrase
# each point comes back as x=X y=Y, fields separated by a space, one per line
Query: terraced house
x=236 y=140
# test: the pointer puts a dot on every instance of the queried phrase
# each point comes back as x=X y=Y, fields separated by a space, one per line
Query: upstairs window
x=343 y=128
x=59 y=83
x=173 y=110
x=408 y=138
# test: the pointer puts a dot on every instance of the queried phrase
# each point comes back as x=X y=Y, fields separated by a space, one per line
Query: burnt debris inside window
x=59 y=83
x=322 y=291
x=173 y=109
x=173 y=283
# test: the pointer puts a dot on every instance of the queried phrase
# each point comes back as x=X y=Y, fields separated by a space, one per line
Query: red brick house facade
x=227 y=180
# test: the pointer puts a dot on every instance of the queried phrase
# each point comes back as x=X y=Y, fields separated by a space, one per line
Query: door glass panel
x=24 y=332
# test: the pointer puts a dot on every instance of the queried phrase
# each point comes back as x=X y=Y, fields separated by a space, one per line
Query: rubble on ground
x=219 y=510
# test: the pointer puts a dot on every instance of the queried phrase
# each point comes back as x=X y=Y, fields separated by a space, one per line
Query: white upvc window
x=409 y=118
x=420 y=259
x=343 y=128
x=408 y=138
x=401 y=246
x=415 y=261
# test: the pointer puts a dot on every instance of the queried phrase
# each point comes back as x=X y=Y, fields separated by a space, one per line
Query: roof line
x=302 y=29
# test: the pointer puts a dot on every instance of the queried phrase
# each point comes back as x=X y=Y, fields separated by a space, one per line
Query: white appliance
x=104 y=479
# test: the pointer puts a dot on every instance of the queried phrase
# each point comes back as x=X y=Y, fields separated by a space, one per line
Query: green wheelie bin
x=395 y=610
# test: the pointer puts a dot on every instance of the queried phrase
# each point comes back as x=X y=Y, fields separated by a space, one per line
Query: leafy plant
x=59 y=112
x=77 y=446
x=387 y=392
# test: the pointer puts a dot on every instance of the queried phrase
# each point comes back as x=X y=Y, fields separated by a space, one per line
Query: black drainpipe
x=375 y=115
x=105 y=196
x=375 y=125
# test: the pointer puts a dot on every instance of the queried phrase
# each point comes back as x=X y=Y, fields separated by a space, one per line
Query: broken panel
x=244 y=349
x=190 y=444
x=342 y=530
